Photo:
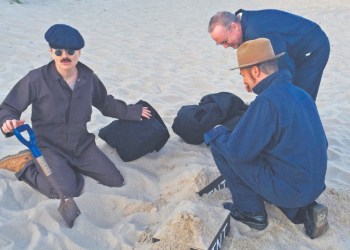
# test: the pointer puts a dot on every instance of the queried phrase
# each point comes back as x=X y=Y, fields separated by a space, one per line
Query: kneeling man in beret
x=277 y=153
x=62 y=94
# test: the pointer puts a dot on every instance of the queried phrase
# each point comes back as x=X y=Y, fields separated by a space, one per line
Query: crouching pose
x=278 y=151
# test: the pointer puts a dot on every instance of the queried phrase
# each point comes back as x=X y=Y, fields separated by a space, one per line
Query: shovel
x=68 y=208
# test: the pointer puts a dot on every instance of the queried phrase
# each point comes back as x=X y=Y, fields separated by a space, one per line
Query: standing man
x=306 y=45
x=278 y=151
x=62 y=94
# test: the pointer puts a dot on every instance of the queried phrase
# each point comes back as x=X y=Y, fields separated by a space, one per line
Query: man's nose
x=65 y=53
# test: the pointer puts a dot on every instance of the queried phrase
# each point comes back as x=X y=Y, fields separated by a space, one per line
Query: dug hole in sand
x=193 y=225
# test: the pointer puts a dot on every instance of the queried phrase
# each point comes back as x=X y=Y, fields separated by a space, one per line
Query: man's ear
x=233 y=26
x=255 y=71
x=51 y=53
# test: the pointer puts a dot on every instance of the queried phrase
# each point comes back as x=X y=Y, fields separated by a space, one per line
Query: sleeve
x=252 y=134
x=215 y=133
x=17 y=101
x=111 y=107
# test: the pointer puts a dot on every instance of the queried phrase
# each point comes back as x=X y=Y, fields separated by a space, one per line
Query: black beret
x=62 y=36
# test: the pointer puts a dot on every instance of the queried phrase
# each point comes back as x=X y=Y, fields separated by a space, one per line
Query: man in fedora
x=62 y=94
x=306 y=45
x=277 y=153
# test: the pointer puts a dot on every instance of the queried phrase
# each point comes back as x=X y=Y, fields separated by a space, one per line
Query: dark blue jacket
x=281 y=132
x=287 y=32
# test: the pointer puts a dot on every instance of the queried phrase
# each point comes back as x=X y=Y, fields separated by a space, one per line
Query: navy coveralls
x=59 y=118
x=277 y=152
x=306 y=45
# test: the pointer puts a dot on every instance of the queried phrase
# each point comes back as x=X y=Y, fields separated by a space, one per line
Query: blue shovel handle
x=68 y=209
x=31 y=144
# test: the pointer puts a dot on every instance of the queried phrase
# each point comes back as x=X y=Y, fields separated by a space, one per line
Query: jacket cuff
x=6 y=134
x=214 y=133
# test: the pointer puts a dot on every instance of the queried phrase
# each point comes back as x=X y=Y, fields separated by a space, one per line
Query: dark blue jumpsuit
x=59 y=120
x=306 y=45
x=277 y=152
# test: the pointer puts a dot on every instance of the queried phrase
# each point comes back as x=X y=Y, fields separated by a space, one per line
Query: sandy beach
x=161 y=52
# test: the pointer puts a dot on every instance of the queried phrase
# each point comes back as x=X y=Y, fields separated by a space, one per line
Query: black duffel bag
x=133 y=139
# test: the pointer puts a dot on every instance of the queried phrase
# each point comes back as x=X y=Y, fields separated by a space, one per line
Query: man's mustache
x=65 y=60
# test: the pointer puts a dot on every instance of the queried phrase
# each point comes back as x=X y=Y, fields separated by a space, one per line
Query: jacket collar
x=281 y=76
x=243 y=18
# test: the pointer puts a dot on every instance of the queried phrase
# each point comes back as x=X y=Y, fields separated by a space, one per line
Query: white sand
x=160 y=52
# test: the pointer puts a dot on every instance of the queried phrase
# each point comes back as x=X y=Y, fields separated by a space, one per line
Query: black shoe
x=257 y=220
x=316 y=223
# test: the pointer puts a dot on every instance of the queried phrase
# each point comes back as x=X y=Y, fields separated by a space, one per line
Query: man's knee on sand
x=116 y=180
x=74 y=189
x=69 y=186
x=69 y=189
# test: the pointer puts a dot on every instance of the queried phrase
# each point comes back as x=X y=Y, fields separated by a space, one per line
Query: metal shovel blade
x=69 y=211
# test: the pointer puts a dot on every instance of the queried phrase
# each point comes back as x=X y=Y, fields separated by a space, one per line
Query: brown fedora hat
x=256 y=51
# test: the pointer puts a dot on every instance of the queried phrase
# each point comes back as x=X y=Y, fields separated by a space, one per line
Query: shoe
x=16 y=162
x=256 y=220
x=316 y=223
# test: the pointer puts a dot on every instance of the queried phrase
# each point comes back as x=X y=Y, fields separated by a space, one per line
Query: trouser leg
x=290 y=213
x=244 y=197
x=309 y=70
x=95 y=164
x=68 y=180
x=249 y=194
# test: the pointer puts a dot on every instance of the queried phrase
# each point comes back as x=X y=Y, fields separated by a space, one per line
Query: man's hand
x=146 y=113
x=10 y=125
